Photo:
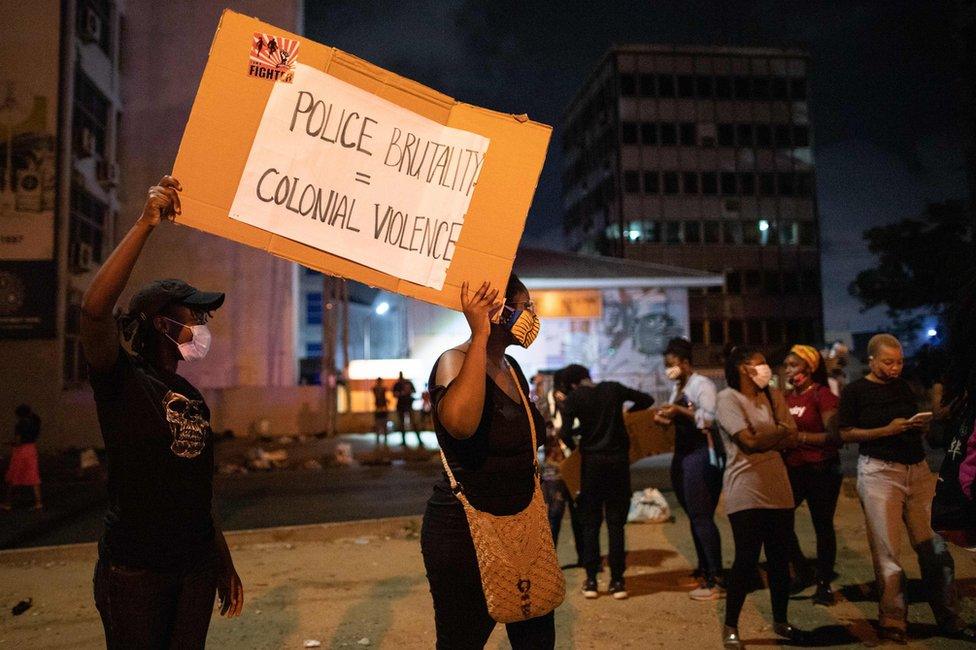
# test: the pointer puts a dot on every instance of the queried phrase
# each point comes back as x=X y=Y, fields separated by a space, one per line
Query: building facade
x=701 y=157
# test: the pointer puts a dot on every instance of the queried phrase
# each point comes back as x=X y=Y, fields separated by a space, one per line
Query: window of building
x=631 y=182
x=690 y=182
x=671 y=183
x=789 y=233
x=313 y=308
x=728 y=183
x=736 y=333
x=90 y=115
x=628 y=132
x=652 y=182
x=705 y=87
x=74 y=366
x=750 y=232
x=723 y=88
x=798 y=89
x=648 y=133
x=686 y=86
x=743 y=135
x=716 y=332
x=808 y=233
x=743 y=88
x=709 y=183
x=754 y=332
x=93 y=23
x=731 y=232
x=665 y=85
x=767 y=184
x=771 y=284
x=752 y=280
x=764 y=136
x=628 y=84
x=767 y=232
x=313 y=350
x=712 y=231
x=783 y=133
x=86 y=229
x=647 y=86
x=669 y=134
x=635 y=231
x=693 y=232
x=733 y=283
x=726 y=135
x=779 y=88
x=760 y=87
x=747 y=184
x=804 y=184
x=652 y=231
x=791 y=283
x=689 y=134
x=697 y=331
x=801 y=136
x=786 y=184
x=672 y=232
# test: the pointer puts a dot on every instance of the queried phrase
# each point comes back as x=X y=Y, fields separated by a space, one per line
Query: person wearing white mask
x=755 y=425
x=696 y=468
x=162 y=556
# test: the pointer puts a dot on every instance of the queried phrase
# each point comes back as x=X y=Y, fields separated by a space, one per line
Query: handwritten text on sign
x=352 y=174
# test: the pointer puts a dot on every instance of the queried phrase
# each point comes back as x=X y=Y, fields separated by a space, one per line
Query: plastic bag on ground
x=648 y=506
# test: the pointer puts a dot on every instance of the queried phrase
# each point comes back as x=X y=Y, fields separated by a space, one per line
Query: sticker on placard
x=273 y=57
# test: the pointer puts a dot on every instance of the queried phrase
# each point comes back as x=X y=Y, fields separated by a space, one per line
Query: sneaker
x=707 y=592
x=618 y=590
x=824 y=595
x=589 y=588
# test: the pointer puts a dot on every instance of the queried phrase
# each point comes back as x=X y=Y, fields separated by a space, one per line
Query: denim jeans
x=895 y=497
x=141 y=608
x=698 y=485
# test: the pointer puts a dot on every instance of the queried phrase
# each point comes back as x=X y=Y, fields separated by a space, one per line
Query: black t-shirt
x=28 y=429
x=601 y=419
x=495 y=466
x=156 y=428
x=404 y=389
x=867 y=404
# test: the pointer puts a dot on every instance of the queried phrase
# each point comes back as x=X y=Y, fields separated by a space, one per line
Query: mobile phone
x=923 y=416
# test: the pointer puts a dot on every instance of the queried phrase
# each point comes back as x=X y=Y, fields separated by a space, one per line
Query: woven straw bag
x=520 y=574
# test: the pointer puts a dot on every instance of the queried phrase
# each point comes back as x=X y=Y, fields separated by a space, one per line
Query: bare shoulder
x=449 y=365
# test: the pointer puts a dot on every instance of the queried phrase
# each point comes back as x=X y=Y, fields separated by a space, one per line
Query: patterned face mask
x=522 y=323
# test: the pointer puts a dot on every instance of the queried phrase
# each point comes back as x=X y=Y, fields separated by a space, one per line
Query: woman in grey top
x=756 y=424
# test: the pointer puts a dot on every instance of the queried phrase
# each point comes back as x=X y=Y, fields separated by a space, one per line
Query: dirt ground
x=361 y=584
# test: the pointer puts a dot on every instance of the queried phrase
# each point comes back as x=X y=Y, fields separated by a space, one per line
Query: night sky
x=881 y=90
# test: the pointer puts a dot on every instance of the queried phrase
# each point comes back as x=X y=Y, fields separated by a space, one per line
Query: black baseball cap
x=153 y=297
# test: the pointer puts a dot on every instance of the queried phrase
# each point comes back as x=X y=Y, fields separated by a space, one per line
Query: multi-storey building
x=701 y=157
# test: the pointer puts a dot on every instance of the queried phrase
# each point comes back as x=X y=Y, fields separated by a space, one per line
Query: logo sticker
x=273 y=57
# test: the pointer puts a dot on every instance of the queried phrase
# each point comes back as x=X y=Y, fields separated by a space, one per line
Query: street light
x=932 y=333
x=382 y=308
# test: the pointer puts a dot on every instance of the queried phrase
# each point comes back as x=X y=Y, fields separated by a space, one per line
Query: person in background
x=426 y=408
x=896 y=488
x=696 y=473
x=756 y=425
x=605 y=476
x=554 y=489
x=381 y=411
x=403 y=391
x=23 y=470
x=814 y=464
x=162 y=555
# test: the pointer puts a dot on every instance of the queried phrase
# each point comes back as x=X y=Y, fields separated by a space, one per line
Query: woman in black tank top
x=483 y=429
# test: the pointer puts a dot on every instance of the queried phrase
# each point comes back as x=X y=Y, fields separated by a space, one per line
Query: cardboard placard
x=376 y=177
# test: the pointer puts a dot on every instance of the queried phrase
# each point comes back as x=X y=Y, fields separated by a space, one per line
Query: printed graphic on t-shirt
x=188 y=424
x=797 y=411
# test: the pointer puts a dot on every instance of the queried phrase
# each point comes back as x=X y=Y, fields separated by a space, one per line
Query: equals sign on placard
x=362 y=178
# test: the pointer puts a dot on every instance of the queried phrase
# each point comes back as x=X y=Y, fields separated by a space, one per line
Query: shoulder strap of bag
x=457 y=487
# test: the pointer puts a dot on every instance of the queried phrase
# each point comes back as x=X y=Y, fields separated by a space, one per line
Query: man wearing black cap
x=162 y=556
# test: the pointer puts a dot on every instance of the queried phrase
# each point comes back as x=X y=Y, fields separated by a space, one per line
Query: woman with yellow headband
x=814 y=465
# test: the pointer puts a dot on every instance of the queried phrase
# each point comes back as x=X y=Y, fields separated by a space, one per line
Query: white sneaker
x=707 y=593
x=590 y=589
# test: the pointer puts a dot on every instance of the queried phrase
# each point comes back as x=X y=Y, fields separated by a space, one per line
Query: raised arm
x=463 y=373
x=641 y=400
x=99 y=333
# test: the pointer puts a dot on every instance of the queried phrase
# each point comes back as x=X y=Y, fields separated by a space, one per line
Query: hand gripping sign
x=324 y=159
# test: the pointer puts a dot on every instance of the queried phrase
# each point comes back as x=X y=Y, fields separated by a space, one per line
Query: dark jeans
x=698 y=485
x=752 y=531
x=604 y=488
x=819 y=485
x=460 y=612
x=141 y=608
x=558 y=499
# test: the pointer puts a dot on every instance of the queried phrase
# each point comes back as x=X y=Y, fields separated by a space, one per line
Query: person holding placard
x=162 y=556
x=896 y=488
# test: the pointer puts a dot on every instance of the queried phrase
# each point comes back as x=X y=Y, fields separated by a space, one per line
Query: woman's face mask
x=523 y=324
x=198 y=346
x=673 y=373
x=762 y=375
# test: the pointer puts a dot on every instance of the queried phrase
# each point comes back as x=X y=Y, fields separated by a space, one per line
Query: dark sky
x=881 y=89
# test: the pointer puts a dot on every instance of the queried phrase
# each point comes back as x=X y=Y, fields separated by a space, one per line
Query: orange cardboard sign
x=399 y=187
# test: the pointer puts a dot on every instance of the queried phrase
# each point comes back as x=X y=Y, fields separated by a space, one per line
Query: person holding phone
x=896 y=487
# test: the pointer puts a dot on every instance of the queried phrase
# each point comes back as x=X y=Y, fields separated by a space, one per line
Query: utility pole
x=330 y=293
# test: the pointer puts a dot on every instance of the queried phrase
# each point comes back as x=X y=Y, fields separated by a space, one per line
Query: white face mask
x=763 y=374
x=673 y=373
x=198 y=346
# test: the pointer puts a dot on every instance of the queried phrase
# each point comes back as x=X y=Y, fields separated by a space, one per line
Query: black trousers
x=558 y=500
x=819 y=485
x=460 y=611
x=141 y=608
x=604 y=489
x=752 y=531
